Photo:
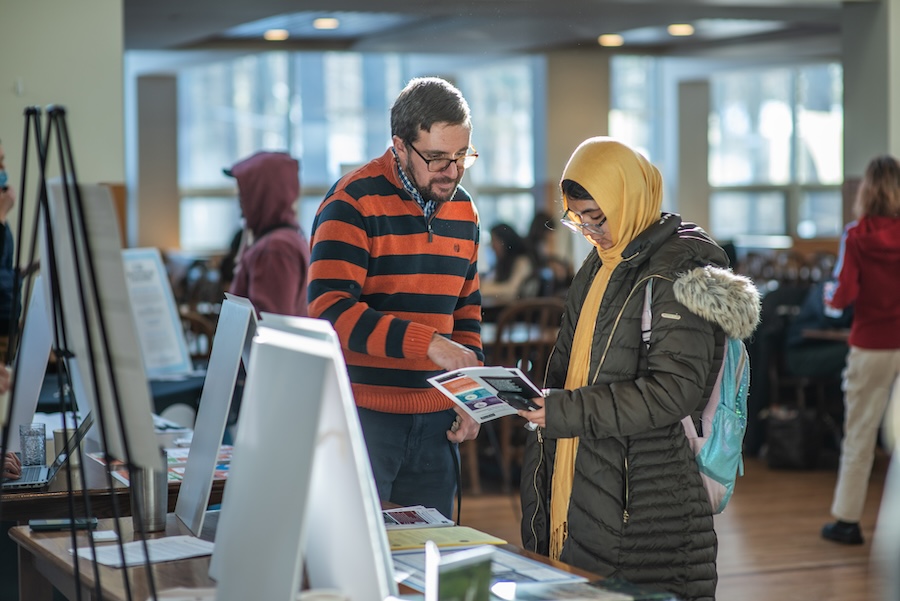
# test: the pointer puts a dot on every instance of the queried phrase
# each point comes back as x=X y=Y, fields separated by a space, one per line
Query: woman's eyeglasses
x=438 y=165
x=580 y=228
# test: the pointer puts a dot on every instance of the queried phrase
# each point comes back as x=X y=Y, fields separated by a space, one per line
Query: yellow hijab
x=629 y=191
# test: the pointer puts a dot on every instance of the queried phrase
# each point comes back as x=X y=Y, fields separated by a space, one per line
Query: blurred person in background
x=9 y=302
x=554 y=272
x=867 y=277
x=512 y=269
x=12 y=465
x=273 y=261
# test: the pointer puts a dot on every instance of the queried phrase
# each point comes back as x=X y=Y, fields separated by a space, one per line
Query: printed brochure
x=478 y=389
x=414 y=516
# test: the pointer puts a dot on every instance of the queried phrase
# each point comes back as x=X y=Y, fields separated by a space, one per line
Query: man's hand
x=450 y=355
x=464 y=428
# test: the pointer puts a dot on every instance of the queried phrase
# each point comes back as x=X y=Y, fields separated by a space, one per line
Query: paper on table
x=452 y=536
x=161 y=549
x=414 y=516
x=581 y=591
x=507 y=568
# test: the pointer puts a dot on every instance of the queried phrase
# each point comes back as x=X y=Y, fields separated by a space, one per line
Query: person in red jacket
x=272 y=269
x=394 y=269
x=867 y=276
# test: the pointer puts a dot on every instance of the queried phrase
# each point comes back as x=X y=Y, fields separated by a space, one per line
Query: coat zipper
x=538 y=496
x=625 y=515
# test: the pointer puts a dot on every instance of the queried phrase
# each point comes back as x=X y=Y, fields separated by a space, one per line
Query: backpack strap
x=715 y=372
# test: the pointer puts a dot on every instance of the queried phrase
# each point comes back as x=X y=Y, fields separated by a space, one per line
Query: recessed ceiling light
x=681 y=29
x=610 y=40
x=326 y=23
x=276 y=35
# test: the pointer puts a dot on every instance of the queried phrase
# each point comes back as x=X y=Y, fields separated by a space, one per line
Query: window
x=331 y=111
x=632 y=115
x=750 y=128
x=775 y=151
x=755 y=213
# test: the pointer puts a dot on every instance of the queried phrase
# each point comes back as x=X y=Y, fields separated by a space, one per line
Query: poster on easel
x=158 y=322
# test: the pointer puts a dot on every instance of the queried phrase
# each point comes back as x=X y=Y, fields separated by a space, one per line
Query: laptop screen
x=72 y=444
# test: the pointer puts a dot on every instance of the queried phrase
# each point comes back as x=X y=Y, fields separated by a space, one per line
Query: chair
x=199 y=331
x=524 y=336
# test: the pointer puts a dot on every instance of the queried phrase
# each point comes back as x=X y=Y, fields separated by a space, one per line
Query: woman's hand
x=538 y=417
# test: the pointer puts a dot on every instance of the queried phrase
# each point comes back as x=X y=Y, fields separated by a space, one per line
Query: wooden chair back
x=526 y=331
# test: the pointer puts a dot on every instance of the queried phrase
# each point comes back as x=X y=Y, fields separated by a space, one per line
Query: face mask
x=3 y=179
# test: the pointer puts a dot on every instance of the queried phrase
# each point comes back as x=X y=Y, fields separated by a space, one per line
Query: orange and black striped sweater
x=388 y=280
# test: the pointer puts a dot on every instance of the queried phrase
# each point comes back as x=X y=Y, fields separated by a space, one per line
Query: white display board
x=156 y=317
x=30 y=363
x=299 y=437
x=99 y=324
x=231 y=344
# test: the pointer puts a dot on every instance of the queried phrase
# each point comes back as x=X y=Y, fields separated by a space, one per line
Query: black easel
x=88 y=290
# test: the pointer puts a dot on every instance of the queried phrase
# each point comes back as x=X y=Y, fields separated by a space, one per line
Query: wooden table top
x=105 y=502
x=50 y=553
x=833 y=334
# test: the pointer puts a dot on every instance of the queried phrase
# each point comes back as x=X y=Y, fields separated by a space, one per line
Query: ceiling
x=483 y=26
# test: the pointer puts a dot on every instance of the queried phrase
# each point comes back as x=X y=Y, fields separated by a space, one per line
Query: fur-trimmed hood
x=720 y=296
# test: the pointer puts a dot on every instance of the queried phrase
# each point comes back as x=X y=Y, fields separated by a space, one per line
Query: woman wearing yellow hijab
x=610 y=484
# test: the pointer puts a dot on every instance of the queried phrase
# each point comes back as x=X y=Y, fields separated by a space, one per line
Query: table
x=831 y=334
x=47 y=564
x=23 y=505
x=164 y=392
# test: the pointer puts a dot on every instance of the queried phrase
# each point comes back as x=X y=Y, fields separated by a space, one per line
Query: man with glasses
x=394 y=248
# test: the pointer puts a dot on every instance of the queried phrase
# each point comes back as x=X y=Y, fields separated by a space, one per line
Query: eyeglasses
x=581 y=228
x=438 y=165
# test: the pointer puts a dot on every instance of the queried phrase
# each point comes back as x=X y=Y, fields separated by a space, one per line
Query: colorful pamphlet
x=478 y=390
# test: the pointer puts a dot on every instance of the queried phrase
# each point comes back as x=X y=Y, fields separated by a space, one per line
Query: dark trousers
x=412 y=460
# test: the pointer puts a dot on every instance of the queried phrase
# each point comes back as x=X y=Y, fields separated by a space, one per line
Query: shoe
x=846 y=533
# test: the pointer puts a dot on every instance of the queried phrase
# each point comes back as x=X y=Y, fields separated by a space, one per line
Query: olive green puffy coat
x=638 y=510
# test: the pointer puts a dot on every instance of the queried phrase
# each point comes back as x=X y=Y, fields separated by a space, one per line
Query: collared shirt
x=427 y=205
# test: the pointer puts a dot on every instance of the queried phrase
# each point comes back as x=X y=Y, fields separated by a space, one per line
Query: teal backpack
x=718 y=446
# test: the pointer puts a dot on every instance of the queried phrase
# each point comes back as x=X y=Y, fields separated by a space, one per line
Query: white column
x=871 y=64
x=157 y=161
x=577 y=108
x=693 y=152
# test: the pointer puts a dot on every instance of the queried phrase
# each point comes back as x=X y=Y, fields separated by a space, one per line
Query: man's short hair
x=426 y=101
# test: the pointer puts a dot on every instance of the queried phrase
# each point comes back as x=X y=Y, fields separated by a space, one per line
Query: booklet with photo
x=486 y=393
x=414 y=516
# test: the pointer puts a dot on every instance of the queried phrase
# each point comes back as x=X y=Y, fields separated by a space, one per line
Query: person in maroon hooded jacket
x=866 y=275
x=272 y=266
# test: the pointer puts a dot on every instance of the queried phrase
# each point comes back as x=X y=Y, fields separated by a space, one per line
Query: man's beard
x=427 y=192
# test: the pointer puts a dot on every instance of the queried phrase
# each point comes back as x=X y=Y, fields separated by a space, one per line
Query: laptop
x=38 y=476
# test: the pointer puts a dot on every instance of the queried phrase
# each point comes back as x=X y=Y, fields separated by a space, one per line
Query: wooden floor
x=769 y=542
